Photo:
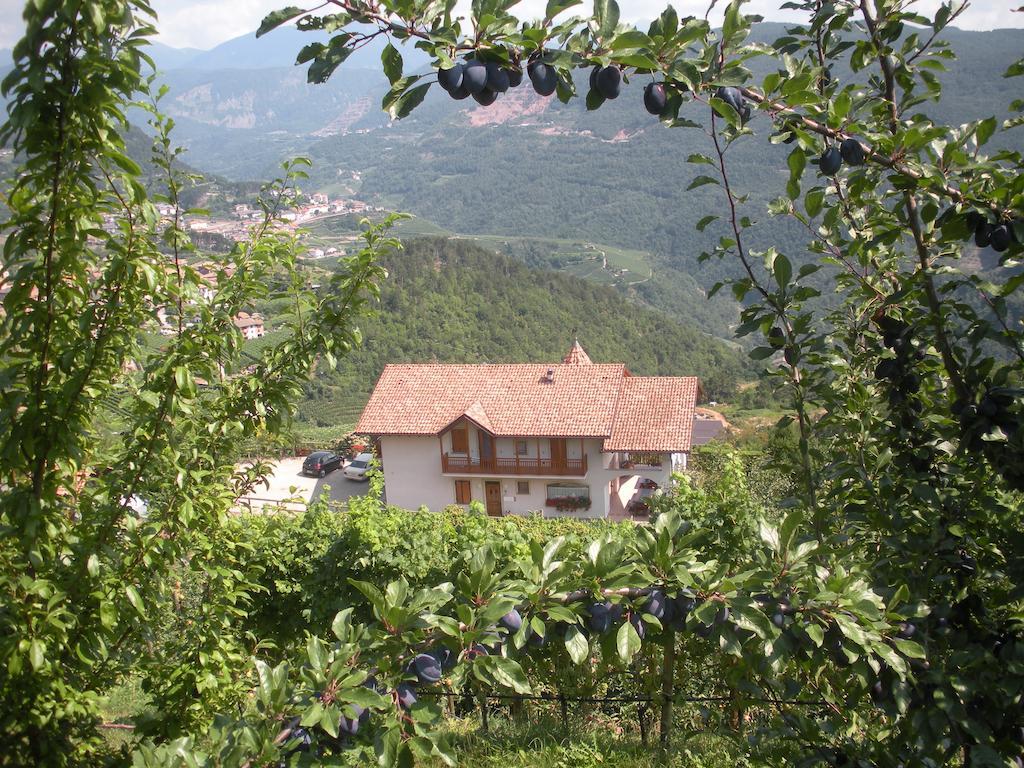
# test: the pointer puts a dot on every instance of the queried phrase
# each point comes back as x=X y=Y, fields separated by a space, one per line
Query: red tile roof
x=595 y=400
x=517 y=399
x=654 y=413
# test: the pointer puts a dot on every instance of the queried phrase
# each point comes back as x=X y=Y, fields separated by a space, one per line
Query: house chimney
x=551 y=375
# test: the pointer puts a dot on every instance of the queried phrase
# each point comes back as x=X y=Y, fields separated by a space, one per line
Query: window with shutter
x=460 y=440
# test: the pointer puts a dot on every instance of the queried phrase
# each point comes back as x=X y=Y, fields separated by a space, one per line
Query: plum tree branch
x=949 y=360
x=947 y=190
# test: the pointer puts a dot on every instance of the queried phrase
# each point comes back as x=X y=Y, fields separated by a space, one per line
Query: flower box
x=568 y=503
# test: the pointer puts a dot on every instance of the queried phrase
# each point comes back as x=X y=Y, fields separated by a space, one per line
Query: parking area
x=287 y=487
x=338 y=488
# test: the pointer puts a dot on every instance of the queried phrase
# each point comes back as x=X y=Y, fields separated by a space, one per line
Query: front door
x=492 y=492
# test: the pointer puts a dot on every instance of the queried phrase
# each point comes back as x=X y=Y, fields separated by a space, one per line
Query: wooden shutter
x=460 y=440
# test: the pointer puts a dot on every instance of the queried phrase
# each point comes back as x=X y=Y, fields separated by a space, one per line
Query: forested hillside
x=452 y=301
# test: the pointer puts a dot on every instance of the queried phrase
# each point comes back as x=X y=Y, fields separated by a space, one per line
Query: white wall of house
x=413 y=477
x=412 y=473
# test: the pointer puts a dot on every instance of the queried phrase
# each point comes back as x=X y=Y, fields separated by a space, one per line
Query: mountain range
x=530 y=171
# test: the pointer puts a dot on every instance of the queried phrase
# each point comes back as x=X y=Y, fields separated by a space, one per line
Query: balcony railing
x=631 y=460
x=513 y=466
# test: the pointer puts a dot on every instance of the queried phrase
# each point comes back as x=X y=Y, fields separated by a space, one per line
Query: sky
x=205 y=23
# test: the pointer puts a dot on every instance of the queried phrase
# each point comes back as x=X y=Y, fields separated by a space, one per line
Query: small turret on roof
x=577 y=355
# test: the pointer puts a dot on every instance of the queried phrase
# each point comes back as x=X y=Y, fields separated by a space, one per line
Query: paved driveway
x=338 y=488
x=286 y=486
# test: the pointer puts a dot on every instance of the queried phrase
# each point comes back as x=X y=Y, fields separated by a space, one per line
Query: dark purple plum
x=460 y=93
x=593 y=77
x=426 y=667
x=451 y=79
x=511 y=621
x=655 y=98
x=445 y=658
x=601 y=617
x=497 y=78
x=406 y=695
x=474 y=76
x=852 y=152
x=609 y=81
x=830 y=161
x=906 y=630
x=983 y=235
x=486 y=97
x=732 y=97
x=1000 y=238
x=515 y=77
x=543 y=77
x=656 y=604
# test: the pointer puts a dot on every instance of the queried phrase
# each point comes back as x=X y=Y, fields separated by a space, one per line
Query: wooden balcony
x=513 y=466
x=636 y=459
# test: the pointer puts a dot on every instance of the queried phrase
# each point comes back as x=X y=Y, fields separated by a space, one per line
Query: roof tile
x=582 y=399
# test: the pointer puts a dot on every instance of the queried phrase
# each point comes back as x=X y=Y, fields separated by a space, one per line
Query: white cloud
x=205 y=23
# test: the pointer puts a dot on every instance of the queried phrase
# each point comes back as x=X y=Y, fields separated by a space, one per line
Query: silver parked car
x=358 y=467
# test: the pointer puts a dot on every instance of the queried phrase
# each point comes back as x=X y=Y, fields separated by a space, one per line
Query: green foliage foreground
x=894 y=577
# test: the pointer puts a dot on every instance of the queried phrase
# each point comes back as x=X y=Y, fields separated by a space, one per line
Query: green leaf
x=909 y=648
x=312 y=715
x=769 y=535
x=986 y=128
x=508 y=673
x=606 y=16
x=796 y=161
x=408 y=101
x=700 y=181
x=37 y=654
x=330 y=721
x=265 y=682
x=816 y=633
x=392 y=61
x=577 y=645
x=555 y=7
x=813 y=201
x=787 y=531
x=783 y=270
x=310 y=52
x=627 y=642
x=274 y=19
x=134 y=598
x=632 y=39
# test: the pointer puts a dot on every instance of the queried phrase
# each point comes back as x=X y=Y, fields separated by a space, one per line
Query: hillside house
x=574 y=438
x=251 y=326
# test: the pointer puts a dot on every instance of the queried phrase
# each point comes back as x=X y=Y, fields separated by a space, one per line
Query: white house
x=251 y=326
x=574 y=438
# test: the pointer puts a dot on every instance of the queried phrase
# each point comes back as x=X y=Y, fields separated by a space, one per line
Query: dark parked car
x=319 y=463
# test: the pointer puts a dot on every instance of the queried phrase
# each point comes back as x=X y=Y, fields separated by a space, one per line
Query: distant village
x=236 y=229
x=318 y=206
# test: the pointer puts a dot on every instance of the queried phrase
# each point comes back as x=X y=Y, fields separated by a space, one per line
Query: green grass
x=591 y=742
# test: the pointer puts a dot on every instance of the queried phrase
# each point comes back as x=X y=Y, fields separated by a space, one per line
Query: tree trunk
x=668 y=677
